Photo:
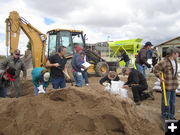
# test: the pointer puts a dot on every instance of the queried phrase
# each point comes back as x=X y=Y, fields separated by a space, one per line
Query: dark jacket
x=125 y=57
x=104 y=79
x=135 y=77
x=76 y=62
x=5 y=85
x=171 y=79
x=18 y=64
x=142 y=56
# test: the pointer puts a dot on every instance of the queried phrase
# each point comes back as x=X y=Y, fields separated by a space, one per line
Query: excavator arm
x=38 y=40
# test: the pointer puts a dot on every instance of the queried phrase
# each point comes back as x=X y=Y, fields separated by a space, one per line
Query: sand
x=77 y=111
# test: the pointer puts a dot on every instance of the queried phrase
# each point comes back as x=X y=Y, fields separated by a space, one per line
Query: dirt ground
x=80 y=111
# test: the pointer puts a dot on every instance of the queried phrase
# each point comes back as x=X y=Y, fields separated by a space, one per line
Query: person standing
x=125 y=57
x=142 y=57
x=77 y=66
x=6 y=79
x=138 y=83
x=40 y=76
x=57 y=64
x=18 y=64
x=168 y=67
x=155 y=57
x=84 y=59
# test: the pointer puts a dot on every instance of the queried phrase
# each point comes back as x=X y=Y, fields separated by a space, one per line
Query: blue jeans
x=2 y=92
x=141 y=69
x=127 y=63
x=85 y=76
x=171 y=101
x=78 y=78
x=58 y=83
x=36 y=90
x=5 y=92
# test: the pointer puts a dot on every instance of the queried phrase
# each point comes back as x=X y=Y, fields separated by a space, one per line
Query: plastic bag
x=158 y=88
x=157 y=83
x=107 y=87
x=41 y=90
x=123 y=92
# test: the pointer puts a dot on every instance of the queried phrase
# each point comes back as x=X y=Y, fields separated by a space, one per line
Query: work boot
x=151 y=95
x=173 y=118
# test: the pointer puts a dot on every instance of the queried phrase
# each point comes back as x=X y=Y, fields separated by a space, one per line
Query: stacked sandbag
x=178 y=89
x=157 y=86
x=116 y=87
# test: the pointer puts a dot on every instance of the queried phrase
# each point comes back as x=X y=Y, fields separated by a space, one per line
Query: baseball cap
x=82 y=52
x=172 y=50
x=77 y=48
x=148 y=44
x=17 y=51
x=46 y=76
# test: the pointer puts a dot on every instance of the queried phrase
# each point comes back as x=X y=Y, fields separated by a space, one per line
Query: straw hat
x=112 y=75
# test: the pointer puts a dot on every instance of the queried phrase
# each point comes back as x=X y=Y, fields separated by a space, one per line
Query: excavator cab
x=67 y=38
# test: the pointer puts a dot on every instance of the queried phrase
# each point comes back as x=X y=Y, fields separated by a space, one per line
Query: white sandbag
x=177 y=91
x=149 y=61
x=178 y=68
x=123 y=92
x=157 y=83
x=41 y=90
x=115 y=86
x=158 y=88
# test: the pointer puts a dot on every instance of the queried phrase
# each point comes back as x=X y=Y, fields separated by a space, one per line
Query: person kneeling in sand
x=41 y=79
x=112 y=76
x=6 y=79
x=138 y=84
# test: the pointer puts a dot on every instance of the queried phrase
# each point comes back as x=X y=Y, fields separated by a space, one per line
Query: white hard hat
x=46 y=76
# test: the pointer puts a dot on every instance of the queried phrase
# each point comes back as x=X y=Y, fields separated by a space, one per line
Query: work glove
x=105 y=84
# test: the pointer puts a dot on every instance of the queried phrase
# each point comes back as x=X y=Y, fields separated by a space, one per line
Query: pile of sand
x=74 y=111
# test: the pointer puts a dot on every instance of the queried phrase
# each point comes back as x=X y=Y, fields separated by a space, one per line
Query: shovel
x=165 y=102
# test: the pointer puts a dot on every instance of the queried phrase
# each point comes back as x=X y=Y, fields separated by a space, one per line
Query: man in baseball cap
x=15 y=61
x=138 y=84
x=77 y=65
x=142 y=58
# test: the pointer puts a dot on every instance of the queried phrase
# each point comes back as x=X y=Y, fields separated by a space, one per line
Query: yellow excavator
x=38 y=40
x=56 y=38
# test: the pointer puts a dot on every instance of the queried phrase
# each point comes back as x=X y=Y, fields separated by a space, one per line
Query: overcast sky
x=152 y=20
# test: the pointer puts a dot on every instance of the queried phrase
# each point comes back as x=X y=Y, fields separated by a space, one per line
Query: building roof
x=178 y=38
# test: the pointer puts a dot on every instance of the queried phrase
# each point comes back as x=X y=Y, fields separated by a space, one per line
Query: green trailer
x=131 y=47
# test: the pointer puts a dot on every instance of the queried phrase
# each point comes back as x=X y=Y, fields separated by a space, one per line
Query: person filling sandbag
x=138 y=84
x=6 y=79
x=41 y=79
x=112 y=76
